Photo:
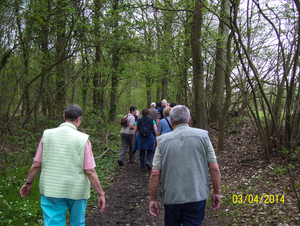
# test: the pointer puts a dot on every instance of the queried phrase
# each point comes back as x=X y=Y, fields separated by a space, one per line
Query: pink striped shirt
x=89 y=162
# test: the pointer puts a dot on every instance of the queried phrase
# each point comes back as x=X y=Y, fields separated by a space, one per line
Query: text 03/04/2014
x=257 y=199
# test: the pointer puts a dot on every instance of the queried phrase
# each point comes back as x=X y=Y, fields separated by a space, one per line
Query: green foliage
x=15 y=210
x=291 y=155
x=282 y=169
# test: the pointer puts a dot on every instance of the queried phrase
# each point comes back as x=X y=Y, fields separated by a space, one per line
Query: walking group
x=180 y=159
x=139 y=133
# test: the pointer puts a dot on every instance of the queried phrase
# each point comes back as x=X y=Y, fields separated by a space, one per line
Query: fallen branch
x=99 y=157
x=107 y=148
x=6 y=203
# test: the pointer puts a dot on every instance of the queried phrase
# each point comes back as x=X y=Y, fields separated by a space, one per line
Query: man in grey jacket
x=183 y=160
x=152 y=111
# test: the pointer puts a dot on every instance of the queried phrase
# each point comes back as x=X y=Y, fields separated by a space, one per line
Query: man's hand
x=216 y=181
x=216 y=202
x=25 y=189
x=154 y=181
x=101 y=202
x=154 y=208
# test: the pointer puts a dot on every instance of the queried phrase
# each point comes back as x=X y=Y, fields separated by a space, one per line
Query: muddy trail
x=127 y=201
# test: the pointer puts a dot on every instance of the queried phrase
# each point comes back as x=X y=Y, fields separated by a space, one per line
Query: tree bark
x=198 y=77
x=228 y=96
x=25 y=54
x=220 y=65
x=97 y=72
x=115 y=62
x=60 y=97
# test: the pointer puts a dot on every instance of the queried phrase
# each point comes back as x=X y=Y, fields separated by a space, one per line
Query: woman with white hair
x=165 y=125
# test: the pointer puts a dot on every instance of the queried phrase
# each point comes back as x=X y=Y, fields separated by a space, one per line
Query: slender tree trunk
x=198 y=77
x=185 y=84
x=25 y=53
x=60 y=97
x=182 y=95
x=114 y=85
x=45 y=57
x=45 y=102
x=85 y=81
x=115 y=62
x=290 y=116
x=96 y=78
x=165 y=84
x=228 y=96
x=220 y=65
x=97 y=72
x=148 y=87
x=166 y=55
x=158 y=54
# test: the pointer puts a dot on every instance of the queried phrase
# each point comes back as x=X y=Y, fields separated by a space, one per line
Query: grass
x=17 y=157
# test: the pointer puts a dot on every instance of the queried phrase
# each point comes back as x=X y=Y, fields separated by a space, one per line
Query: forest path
x=127 y=201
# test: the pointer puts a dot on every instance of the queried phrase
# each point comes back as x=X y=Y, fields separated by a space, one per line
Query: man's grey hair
x=180 y=114
x=153 y=105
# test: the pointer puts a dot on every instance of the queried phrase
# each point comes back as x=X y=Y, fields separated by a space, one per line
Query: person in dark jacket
x=144 y=139
x=160 y=114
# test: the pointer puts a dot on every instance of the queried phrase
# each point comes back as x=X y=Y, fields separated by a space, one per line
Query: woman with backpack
x=144 y=139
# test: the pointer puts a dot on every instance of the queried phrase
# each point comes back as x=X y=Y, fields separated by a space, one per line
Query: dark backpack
x=161 y=111
x=145 y=126
x=124 y=121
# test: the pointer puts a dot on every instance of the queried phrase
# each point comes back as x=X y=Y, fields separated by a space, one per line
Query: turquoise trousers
x=54 y=211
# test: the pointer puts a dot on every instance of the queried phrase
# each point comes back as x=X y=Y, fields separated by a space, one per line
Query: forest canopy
x=222 y=59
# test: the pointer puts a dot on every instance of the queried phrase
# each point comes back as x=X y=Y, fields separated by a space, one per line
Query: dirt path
x=128 y=199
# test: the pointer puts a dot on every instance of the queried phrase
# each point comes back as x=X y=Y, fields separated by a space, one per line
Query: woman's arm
x=135 y=132
x=158 y=133
x=155 y=129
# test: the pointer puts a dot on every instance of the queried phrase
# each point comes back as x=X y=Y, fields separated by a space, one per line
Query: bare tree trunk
x=167 y=44
x=165 y=84
x=198 y=79
x=60 y=97
x=115 y=62
x=44 y=45
x=220 y=65
x=228 y=95
x=25 y=53
x=290 y=116
x=85 y=81
x=158 y=37
x=148 y=87
x=182 y=96
x=97 y=72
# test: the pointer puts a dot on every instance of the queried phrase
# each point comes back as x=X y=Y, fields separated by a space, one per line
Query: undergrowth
x=255 y=191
